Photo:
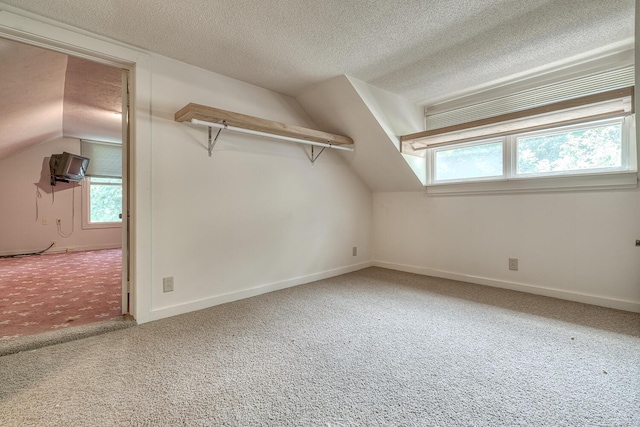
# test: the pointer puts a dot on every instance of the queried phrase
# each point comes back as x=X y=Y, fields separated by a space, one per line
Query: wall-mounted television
x=67 y=167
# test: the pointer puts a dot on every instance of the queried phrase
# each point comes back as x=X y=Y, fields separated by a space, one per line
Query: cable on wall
x=28 y=254
x=38 y=196
x=73 y=215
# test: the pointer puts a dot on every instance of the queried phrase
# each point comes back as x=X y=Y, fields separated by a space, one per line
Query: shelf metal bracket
x=313 y=157
x=213 y=143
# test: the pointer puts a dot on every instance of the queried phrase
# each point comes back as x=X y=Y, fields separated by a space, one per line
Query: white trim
x=608 y=181
x=632 y=306
x=16 y=24
x=86 y=204
x=21 y=25
x=623 y=177
x=200 y=304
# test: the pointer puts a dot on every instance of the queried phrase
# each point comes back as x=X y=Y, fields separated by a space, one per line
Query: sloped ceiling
x=419 y=49
x=336 y=105
x=31 y=96
x=92 y=101
x=46 y=95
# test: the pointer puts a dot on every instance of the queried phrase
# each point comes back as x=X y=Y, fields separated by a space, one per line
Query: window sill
x=86 y=226
x=620 y=180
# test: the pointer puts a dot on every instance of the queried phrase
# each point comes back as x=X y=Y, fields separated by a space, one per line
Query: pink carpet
x=47 y=292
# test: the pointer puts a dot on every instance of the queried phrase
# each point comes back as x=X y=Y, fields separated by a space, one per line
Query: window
x=103 y=204
x=596 y=147
x=601 y=153
x=470 y=161
x=102 y=196
x=562 y=135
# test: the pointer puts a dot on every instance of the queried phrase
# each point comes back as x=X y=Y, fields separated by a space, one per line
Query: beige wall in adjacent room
x=28 y=200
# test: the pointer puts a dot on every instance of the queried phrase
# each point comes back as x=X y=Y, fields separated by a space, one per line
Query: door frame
x=32 y=29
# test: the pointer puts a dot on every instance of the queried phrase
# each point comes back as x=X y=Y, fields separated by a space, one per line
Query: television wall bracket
x=52 y=167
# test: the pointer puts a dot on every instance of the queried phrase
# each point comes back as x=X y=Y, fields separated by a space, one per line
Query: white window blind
x=619 y=106
x=105 y=158
x=596 y=96
x=549 y=94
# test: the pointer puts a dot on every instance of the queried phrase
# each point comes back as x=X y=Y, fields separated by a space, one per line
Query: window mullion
x=509 y=156
x=430 y=167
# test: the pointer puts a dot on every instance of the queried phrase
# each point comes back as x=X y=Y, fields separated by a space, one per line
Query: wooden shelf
x=216 y=115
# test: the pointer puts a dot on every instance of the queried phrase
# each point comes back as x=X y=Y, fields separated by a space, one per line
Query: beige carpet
x=370 y=348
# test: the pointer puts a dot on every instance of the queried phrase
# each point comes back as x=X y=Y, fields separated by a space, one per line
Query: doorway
x=61 y=103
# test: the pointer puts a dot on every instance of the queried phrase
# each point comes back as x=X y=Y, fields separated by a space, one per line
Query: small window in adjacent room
x=104 y=202
x=102 y=195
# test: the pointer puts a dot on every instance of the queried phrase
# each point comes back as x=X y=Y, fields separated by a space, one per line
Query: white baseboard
x=62 y=249
x=531 y=289
x=200 y=304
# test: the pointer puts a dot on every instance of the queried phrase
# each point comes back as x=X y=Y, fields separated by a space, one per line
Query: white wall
x=22 y=229
x=574 y=245
x=253 y=218
x=578 y=246
x=256 y=215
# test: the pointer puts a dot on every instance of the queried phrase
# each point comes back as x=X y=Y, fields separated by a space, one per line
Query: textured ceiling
x=46 y=95
x=92 y=101
x=31 y=96
x=419 y=49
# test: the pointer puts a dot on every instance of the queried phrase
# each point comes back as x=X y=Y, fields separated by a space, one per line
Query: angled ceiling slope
x=92 y=101
x=46 y=95
x=31 y=96
x=338 y=106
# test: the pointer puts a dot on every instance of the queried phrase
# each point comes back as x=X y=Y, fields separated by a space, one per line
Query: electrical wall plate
x=167 y=284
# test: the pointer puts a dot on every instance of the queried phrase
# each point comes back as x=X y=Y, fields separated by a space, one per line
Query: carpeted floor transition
x=374 y=347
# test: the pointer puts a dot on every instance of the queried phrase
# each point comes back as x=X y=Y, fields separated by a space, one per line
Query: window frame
x=624 y=148
x=625 y=176
x=86 y=206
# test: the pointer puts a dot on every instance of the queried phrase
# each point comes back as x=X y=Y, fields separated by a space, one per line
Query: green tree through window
x=594 y=148
x=105 y=200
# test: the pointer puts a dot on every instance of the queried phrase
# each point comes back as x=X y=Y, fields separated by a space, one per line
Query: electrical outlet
x=354 y=251
x=45 y=221
x=513 y=264
x=167 y=284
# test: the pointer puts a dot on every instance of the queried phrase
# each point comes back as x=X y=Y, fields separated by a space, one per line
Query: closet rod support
x=313 y=157
x=213 y=143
